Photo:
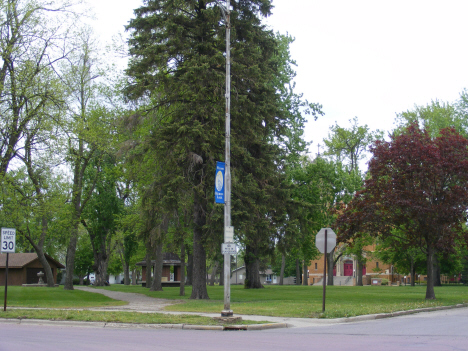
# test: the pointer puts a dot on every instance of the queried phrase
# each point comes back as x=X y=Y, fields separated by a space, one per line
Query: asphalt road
x=438 y=331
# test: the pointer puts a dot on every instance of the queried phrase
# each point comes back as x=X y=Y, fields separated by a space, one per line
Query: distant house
x=267 y=277
x=23 y=268
x=171 y=273
x=346 y=268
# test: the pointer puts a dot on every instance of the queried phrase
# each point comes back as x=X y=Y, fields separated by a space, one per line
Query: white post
x=227 y=312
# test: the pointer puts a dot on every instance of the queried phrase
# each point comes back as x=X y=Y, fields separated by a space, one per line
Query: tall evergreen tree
x=177 y=68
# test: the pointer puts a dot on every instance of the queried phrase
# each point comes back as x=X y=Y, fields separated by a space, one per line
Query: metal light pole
x=227 y=312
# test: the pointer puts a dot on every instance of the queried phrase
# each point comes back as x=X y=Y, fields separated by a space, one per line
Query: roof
x=168 y=259
x=19 y=260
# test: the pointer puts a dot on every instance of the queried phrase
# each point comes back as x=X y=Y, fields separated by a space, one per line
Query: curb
x=398 y=313
x=141 y=326
x=220 y=327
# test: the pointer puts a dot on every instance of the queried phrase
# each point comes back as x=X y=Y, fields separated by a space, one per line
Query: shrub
x=384 y=281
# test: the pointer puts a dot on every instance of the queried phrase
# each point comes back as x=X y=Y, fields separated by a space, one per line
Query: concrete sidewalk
x=145 y=304
x=142 y=303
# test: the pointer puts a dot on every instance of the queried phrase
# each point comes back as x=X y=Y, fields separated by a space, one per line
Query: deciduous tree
x=418 y=185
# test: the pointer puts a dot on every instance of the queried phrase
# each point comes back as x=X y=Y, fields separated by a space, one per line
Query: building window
x=376 y=264
x=316 y=266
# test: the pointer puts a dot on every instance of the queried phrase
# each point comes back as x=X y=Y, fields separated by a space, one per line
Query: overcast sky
x=370 y=59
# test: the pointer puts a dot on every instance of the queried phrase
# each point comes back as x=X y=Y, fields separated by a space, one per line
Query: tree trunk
x=298 y=273
x=436 y=271
x=71 y=250
x=252 y=270
x=158 y=268
x=78 y=205
x=189 y=269
x=305 y=275
x=134 y=277
x=430 y=294
x=214 y=270
x=283 y=265
x=412 y=272
x=149 y=266
x=221 y=272
x=126 y=273
x=101 y=257
x=358 y=273
x=45 y=265
x=182 y=269
x=100 y=267
x=330 y=266
x=199 y=254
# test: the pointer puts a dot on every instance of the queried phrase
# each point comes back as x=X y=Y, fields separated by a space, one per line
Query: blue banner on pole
x=219 y=183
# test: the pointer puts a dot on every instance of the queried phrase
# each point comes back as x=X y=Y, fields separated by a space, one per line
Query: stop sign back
x=320 y=240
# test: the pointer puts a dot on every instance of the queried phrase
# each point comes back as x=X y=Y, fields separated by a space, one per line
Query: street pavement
x=438 y=330
x=431 y=331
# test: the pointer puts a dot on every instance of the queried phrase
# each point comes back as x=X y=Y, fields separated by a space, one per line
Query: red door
x=334 y=271
x=348 y=268
x=364 y=270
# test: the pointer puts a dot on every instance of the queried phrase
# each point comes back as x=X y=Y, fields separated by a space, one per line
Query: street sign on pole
x=228 y=248
x=219 y=182
x=229 y=234
x=8 y=243
x=325 y=240
x=320 y=240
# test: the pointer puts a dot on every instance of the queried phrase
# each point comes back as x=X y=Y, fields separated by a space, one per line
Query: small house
x=171 y=273
x=267 y=277
x=23 y=268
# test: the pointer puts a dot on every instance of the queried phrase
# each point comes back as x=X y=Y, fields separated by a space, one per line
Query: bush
x=76 y=282
x=384 y=281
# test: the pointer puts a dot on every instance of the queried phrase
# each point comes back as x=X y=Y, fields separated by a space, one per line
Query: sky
x=370 y=59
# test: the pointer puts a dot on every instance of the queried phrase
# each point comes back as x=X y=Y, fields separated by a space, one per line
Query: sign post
x=7 y=245
x=227 y=312
x=325 y=241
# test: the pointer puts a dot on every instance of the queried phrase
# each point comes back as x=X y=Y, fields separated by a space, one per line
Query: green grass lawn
x=19 y=296
x=59 y=305
x=306 y=301
x=286 y=301
x=113 y=317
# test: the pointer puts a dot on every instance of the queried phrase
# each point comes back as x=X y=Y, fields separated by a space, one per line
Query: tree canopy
x=176 y=74
x=417 y=189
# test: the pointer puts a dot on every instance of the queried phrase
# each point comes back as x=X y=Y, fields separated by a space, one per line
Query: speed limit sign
x=8 y=243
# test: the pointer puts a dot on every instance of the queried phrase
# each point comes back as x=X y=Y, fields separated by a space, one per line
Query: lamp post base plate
x=227 y=313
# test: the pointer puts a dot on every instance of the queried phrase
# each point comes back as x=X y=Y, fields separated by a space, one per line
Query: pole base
x=227 y=313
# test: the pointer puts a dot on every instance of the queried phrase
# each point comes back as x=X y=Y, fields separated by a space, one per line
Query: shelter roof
x=19 y=260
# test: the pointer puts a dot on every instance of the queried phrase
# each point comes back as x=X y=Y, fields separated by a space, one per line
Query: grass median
x=306 y=301
x=113 y=317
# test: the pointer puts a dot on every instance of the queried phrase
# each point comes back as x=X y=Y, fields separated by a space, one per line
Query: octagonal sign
x=320 y=240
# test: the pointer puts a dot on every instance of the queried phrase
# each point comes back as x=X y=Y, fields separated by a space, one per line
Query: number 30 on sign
x=8 y=242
